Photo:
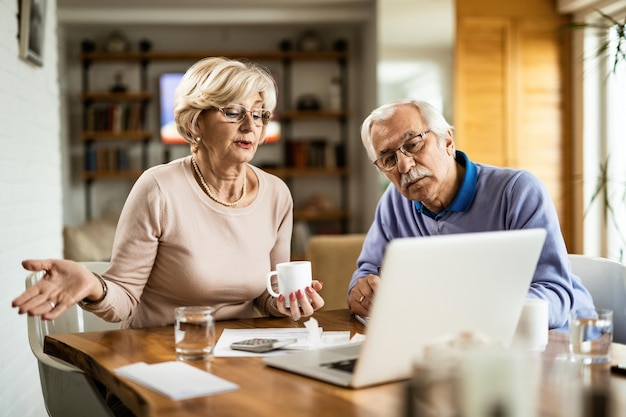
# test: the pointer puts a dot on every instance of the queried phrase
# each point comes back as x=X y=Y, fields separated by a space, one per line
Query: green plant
x=614 y=205
x=611 y=46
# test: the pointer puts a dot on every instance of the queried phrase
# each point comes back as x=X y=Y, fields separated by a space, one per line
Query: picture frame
x=32 y=30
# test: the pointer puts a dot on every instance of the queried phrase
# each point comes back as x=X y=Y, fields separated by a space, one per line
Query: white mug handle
x=269 y=284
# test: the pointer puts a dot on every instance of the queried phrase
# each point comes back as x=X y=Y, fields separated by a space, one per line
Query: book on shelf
x=116 y=117
x=317 y=153
x=107 y=159
x=296 y=154
x=311 y=153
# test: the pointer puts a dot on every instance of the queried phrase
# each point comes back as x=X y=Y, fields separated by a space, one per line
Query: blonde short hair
x=216 y=82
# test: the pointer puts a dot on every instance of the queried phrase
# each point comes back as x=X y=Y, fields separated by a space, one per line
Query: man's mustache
x=414 y=175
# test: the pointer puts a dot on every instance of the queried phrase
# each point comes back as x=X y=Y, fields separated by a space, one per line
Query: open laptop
x=431 y=287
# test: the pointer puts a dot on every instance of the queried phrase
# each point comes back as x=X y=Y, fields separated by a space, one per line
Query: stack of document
x=177 y=380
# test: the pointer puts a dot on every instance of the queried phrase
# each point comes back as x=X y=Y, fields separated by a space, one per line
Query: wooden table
x=264 y=391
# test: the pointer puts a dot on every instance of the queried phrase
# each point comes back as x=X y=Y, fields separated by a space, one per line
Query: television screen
x=169 y=134
x=167 y=85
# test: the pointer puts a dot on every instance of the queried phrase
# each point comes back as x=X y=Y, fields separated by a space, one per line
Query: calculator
x=260 y=344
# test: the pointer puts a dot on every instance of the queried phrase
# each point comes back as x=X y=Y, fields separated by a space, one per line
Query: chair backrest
x=333 y=261
x=606 y=281
x=73 y=320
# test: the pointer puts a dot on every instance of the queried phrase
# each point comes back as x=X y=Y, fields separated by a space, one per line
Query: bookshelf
x=114 y=123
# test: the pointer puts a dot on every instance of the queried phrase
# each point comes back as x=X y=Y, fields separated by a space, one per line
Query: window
x=602 y=140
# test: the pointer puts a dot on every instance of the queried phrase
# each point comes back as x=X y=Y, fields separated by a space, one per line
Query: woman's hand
x=64 y=284
x=362 y=295
x=302 y=303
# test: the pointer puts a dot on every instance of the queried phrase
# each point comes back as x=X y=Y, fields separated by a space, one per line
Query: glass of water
x=194 y=332
x=591 y=335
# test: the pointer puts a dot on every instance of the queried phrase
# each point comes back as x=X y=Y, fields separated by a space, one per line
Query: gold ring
x=361 y=299
x=51 y=304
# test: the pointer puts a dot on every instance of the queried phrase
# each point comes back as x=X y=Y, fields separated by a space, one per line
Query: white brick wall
x=30 y=196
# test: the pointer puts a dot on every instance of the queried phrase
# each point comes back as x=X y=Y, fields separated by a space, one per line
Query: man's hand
x=362 y=295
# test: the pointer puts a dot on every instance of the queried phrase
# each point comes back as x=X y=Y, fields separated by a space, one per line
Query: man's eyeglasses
x=235 y=113
x=414 y=145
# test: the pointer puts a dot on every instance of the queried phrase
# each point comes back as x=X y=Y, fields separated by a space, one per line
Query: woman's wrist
x=105 y=289
x=273 y=310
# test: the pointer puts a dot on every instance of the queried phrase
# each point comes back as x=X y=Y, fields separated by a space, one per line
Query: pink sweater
x=175 y=246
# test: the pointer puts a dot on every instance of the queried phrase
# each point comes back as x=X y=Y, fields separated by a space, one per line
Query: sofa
x=91 y=241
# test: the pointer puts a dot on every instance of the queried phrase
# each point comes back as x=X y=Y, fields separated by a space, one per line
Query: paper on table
x=314 y=335
x=358 y=338
x=177 y=380
x=222 y=347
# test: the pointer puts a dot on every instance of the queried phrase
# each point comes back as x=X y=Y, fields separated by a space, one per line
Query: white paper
x=358 y=338
x=222 y=347
x=177 y=380
x=315 y=336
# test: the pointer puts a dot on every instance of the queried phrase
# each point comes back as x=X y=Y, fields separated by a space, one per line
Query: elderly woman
x=201 y=230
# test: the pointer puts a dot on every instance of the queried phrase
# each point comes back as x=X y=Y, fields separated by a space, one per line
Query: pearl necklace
x=210 y=193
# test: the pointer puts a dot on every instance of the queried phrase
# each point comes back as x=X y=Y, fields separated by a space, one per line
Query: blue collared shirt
x=466 y=193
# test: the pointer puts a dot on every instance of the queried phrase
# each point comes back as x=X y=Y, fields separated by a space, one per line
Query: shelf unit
x=112 y=122
x=289 y=117
x=332 y=219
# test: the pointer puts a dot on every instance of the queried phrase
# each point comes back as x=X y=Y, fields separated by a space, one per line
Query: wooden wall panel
x=511 y=91
x=540 y=116
x=481 y=117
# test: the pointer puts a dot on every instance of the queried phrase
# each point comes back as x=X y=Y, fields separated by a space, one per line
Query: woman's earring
x=198 y=139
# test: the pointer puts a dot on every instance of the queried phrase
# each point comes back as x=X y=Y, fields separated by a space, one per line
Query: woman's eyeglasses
x=389 y=160
x=235 y=113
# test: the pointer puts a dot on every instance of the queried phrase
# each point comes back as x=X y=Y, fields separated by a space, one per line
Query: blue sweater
x=490 y=199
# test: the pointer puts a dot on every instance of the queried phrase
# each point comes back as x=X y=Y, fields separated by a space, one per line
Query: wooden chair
x=333 y=261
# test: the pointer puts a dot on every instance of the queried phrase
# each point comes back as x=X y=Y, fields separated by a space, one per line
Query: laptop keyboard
x=346 y=365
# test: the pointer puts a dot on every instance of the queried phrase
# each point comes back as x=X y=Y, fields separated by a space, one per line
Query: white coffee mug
x=292 y=276
x=532 y=328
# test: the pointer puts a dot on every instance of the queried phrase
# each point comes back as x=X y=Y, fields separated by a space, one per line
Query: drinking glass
x=194 y=332
x=591 y=335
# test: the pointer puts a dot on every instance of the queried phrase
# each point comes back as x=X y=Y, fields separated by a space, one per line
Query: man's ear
x=450 y=145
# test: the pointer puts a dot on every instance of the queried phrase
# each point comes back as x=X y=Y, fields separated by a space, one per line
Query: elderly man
x=435 y=189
